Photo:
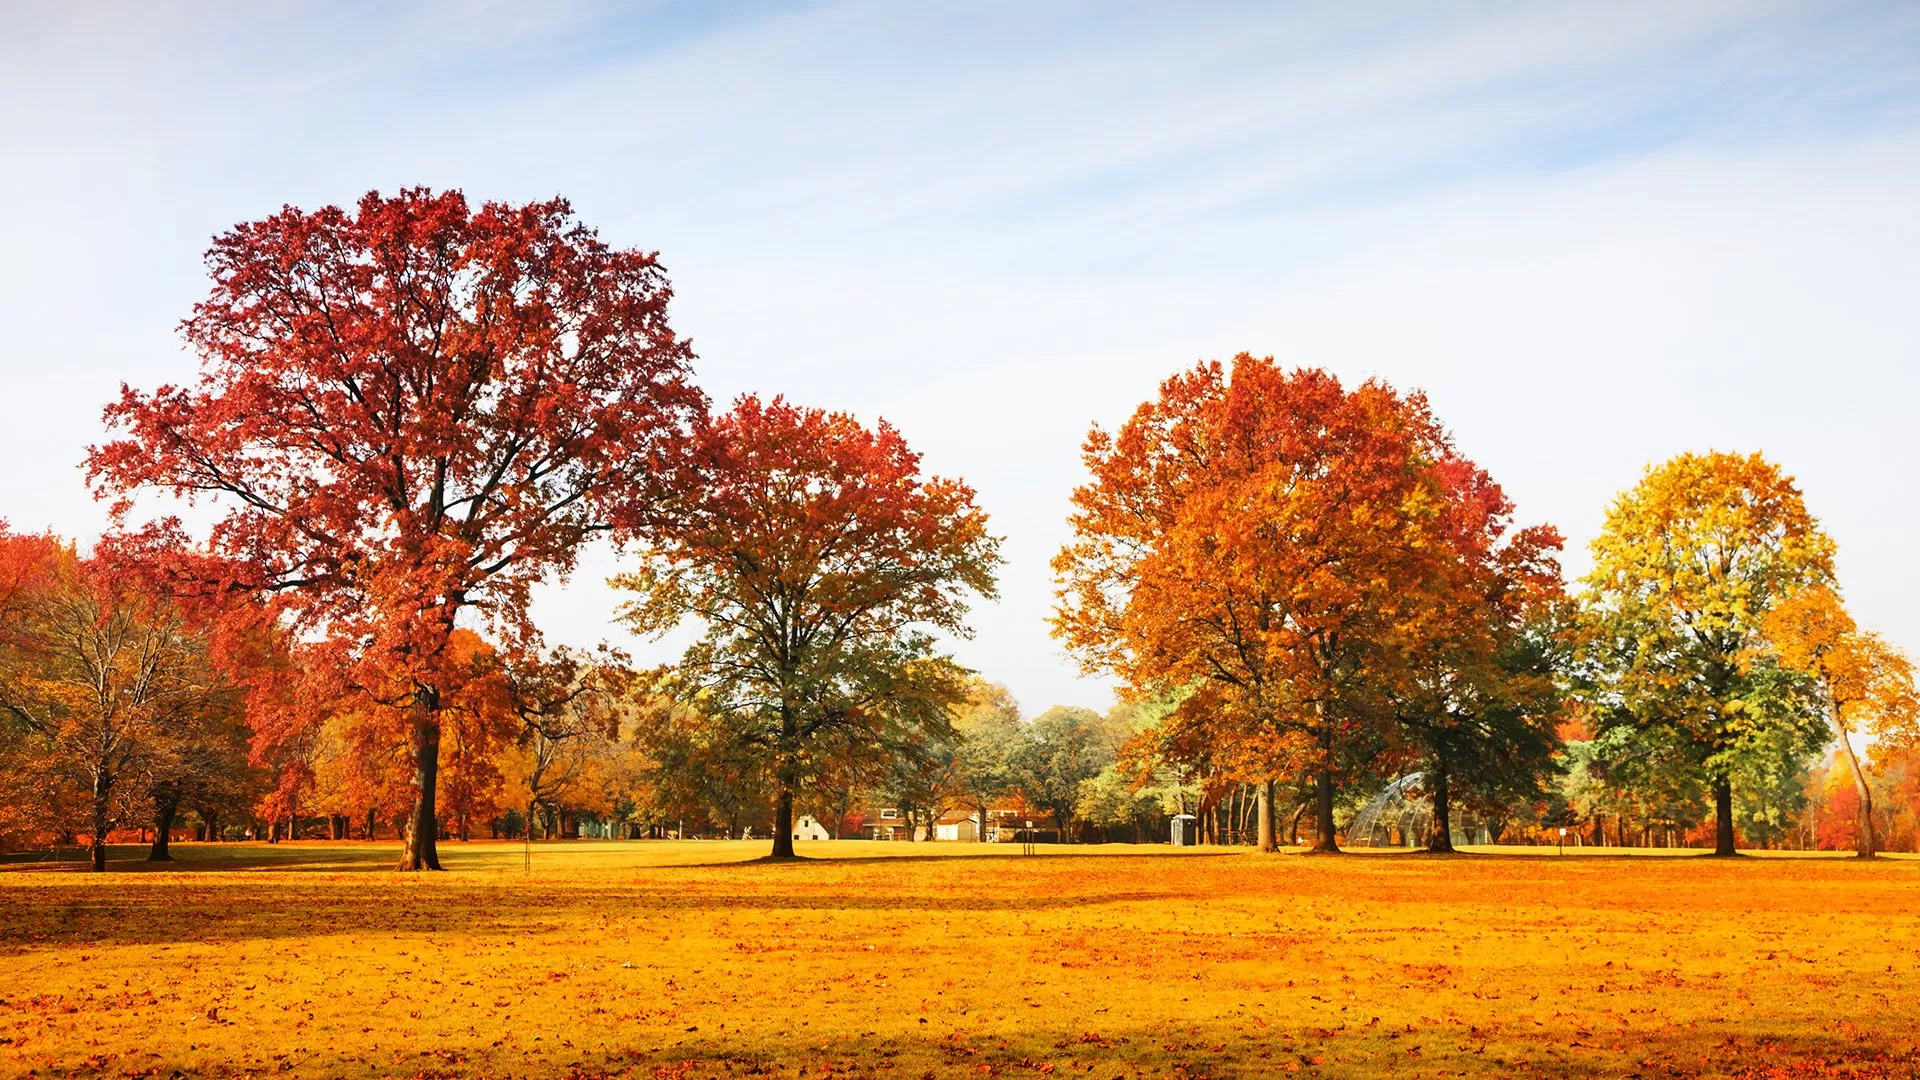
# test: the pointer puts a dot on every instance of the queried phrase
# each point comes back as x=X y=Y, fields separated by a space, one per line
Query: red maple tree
x=411 y=413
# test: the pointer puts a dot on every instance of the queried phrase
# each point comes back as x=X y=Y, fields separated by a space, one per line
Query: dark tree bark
x=1723 y=816
x=1440 y=834
x=783 y=819
x=1324 y=839
x=423 y=830
x=165 y=806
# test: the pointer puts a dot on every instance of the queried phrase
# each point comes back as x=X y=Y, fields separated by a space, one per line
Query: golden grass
x=686 y=959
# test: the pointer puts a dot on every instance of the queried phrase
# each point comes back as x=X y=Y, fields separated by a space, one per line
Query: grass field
x=688 y=959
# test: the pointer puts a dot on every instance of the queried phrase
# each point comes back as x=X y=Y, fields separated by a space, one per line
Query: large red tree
x=411 y=412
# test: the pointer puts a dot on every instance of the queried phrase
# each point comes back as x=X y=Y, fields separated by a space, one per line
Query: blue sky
x=1596 y=234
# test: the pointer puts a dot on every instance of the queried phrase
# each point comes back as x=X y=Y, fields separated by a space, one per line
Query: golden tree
x=1685 y=572
x=1866 y=681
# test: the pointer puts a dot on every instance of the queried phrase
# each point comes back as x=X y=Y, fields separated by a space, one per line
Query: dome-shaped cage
x=1402 y=816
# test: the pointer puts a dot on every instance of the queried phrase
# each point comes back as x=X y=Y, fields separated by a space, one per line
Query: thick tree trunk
x=372 y=822
x=1440 y=834
x=97 y=845
x=423 y=830
x=1863 y=840
x=1267 y=843
x=163 y=812
x=1323 y=839
x=1723 y=816
x=783 y=819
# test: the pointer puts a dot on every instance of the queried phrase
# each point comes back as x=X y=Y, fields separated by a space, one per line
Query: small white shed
x=808 y=829
x=964 y=829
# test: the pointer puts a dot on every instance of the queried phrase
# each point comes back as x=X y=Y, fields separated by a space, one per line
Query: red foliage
x=1837 y=826
x=409 y=411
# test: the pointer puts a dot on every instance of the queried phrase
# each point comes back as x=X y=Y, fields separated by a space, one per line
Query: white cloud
x=1597 y=235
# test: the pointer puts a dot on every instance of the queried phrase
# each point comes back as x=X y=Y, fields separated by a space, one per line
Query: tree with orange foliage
x=1689 y=565
x=413 y=412
x=25 y=561
x=110 y=678
x=568 y=705
x=1867 y=683
x=819 y=563
x=1270 y=540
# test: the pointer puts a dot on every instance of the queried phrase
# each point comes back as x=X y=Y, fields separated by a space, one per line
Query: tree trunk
x=372 y=822
x=783 y=818
x=1440 y=834
x=97 y=845
x=1323 y=840
x=1864 y=839
x=1267 y=843
x=421 y=851
x=1723 y=816
x=163 y=811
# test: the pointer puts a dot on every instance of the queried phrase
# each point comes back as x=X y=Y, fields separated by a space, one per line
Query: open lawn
x=687 y=959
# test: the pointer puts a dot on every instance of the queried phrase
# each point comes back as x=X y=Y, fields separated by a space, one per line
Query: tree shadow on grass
x=220 y=910
x=197 y=858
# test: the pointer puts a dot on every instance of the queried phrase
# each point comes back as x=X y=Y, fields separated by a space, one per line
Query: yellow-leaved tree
x=1689 y=565
x=1866 y=681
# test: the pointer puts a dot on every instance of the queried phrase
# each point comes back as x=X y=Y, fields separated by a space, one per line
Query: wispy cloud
x=1598 y=234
